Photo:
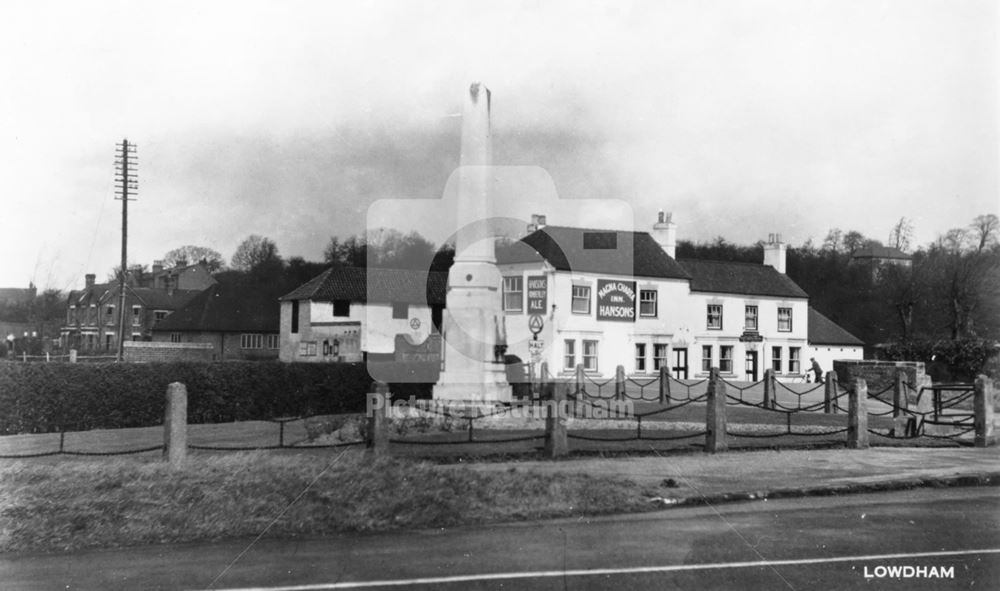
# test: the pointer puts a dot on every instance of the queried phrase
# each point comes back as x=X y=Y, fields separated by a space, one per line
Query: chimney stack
x=157 y=267
x=89 y=279
x=665 y=233
x=774 y=252
x=537 y=222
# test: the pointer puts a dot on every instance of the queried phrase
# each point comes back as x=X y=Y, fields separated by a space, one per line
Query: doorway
x=680 y=368
x=751 y=366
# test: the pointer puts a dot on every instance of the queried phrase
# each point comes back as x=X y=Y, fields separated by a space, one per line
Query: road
x=808 y=543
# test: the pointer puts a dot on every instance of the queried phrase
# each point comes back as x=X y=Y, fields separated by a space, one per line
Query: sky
x=289 y=119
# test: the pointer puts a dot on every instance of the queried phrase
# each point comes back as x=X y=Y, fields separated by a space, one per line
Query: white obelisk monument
x=473 y=317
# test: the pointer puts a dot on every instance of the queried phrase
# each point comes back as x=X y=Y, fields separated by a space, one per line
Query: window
x=715 y=316
x=570 y=357
x=136 y=315
x=273 y=341
x=71 y=315
x=776 y=359
x=659 y=356
x=341 y=307
x=136 y=336
x=109 y=315
x=109 y=341
x=159 y=315
x=706 y=358
x=793 y=360
x=175 y=337
x=513 y=294
x=295 y=316
x=784 y=320
x=92 y=314
x=640 y=357
x=647 y=302
x=726 y=359
x=751 y=318
x=581 y=299
x=400 y=310
x=251 y=341
x=590 y=354
x=307 y=349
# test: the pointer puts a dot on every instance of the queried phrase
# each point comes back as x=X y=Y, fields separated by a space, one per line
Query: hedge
x=946 y=360
x=49 y=397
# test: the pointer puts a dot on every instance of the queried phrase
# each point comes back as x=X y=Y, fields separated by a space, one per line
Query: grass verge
x=124 y=502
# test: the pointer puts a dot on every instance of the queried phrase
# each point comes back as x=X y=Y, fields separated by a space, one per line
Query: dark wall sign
x=616 y=300
x=537 y=294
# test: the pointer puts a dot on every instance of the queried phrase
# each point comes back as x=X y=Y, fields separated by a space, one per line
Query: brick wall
x=145 y=352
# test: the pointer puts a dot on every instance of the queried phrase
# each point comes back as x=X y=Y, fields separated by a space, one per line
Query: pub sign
x=616 y=300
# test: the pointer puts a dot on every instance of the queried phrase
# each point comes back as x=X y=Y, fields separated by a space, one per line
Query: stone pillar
x=378 y=423
x=715 y=416
x=664 y=384
x=556 y=443
x=620 y=382
x=72 y=355
x=857 y=416
x=769 y=387
x=175 y=426
x=982 y=404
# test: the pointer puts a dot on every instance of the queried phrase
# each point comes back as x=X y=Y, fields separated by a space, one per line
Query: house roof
x=740 y=278
x=585 y=250
x=379 y=285
x=823 y=331
x=880 y=252
x=230 y=306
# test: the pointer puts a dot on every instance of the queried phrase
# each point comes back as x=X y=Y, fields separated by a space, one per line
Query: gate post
x=175 y=426
x=983 y=405
x=378 y=424
x=556 y=444
x=620 y=382
x=715 y=416
x=769 y=387
x=857 y=416
x=664 y=385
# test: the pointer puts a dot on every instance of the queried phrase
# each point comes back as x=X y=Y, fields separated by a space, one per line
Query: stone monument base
x=488 y=386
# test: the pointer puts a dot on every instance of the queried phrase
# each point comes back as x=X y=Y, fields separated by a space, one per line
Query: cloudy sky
x=288 y=119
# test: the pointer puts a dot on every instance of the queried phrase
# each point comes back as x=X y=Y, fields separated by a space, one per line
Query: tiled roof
x=229 y=306
x=380 y=285
x=823 y=331
x=610 y=252
x=740 y=278
x=880 y=252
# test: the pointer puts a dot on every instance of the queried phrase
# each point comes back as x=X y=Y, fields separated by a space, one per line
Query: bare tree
x=195 y=254
x=254 y=252
x=985 y=229
x=901 y=234
x=834 y=240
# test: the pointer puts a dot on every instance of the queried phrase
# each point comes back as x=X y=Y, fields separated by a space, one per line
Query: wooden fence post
x=544 y=382
x=556 y=444
x=175 y=426
x=664 y=385
x=715 y=416
x=830 y=392
x=899 y=395
x=579 y=382
x=378 y=424
x=620 y=382
x=72 y=355
x=982 y=403
x=769 y=388
x=857 y=416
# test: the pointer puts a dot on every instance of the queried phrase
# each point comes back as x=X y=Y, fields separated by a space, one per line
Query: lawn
x=55 y=506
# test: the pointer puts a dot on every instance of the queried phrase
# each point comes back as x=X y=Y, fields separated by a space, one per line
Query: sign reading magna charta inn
x=616 y=300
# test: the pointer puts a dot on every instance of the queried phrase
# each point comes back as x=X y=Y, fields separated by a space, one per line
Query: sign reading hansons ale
x=537 y=294
x=616 y=300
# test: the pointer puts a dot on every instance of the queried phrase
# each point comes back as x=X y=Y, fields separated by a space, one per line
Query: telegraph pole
x=126 y=185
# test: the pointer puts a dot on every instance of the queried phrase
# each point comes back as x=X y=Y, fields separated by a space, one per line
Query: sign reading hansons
x=616 y=300
x=537 y=294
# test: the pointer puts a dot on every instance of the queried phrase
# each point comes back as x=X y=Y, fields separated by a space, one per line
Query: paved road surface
x=811 y=543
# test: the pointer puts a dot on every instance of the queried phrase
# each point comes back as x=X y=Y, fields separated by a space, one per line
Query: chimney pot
x=89 y=278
